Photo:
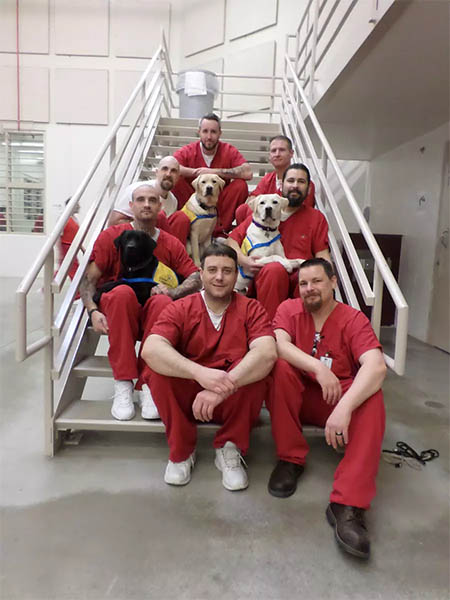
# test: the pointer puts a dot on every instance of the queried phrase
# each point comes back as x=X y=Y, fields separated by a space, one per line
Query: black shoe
x=349 y=528
x=283 y=481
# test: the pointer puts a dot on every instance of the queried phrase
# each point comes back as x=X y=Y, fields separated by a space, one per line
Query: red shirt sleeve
x=267 y=185
x=361 y=336
x=69 y=231
x=284 y=317
x=169 y=323
x=239 y=232
x=320 y=237
x=162 y=222
x=182 y=155
x=258 y=323
x=170 y=251
x=235 y=158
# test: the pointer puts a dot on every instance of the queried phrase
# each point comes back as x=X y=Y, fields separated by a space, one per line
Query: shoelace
x=233 y=458
x=404 y=453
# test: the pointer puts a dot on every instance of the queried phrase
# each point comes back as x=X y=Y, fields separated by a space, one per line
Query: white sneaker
x=123 y=408
x=148 y=406
x=228 y=460
x=179 y=473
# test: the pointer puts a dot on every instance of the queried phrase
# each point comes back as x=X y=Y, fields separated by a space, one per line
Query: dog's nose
x=268 y=211
x=209 y=190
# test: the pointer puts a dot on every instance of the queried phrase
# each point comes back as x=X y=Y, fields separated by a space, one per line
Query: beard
x=295 y=198
x=166 y=184
x=209 y=146
x=312 y=303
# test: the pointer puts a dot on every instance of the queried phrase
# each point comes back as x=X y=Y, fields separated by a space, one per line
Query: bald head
x=167 y=173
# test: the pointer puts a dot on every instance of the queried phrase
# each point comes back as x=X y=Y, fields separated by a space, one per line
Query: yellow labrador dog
x=201 y=208
x=263 y=237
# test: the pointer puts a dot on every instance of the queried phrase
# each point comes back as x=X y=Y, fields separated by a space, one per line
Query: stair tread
x=225 y=124
x=93 y=366
x=96 y=414
x=261 y=145
x=227 y=133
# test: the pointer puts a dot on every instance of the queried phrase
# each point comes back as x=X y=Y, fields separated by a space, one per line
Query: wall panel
x=204 y=25
x=136 y=27
x=81 y=96
x=253 y=15
x=124 y=84
x=33 y=26
x=82 y=27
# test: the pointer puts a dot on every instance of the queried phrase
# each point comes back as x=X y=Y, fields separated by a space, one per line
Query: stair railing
x=295 y=128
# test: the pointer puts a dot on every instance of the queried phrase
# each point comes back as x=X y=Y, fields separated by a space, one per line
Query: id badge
x=327 y=361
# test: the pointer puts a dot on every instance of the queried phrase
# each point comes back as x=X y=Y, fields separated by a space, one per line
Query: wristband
x=92 y=310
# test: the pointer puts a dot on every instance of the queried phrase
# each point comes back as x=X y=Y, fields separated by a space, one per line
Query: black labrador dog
x=138 y=265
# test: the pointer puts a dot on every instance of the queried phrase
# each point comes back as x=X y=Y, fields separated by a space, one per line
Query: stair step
x=257 y=167
x=177 y=141
x=96 y=415
x=226 y=124
x=93 y=366
x=257 y=156
x=236 y=134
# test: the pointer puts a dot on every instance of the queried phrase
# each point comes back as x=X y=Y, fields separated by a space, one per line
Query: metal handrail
x=382 y=270
x=23 y=350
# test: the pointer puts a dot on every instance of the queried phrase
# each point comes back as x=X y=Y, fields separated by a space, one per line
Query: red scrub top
x=187 y=325
x=303 y=234
x=345 y=336
x=226 y=157
x=169 y=251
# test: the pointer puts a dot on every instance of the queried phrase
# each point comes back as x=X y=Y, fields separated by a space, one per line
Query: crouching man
x=331 y=376
x=209 y=355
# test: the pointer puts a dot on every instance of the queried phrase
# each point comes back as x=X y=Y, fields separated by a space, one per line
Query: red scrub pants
x=233 y=195
x=128 y=322
x=272 y=285
x=295 y=401
x=174 y=398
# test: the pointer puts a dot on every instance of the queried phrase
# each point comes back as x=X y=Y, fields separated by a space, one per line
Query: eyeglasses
x=404 y=454
x=316 y=340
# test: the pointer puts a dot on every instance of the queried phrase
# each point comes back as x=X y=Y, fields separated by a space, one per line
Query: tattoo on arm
x=190 y=285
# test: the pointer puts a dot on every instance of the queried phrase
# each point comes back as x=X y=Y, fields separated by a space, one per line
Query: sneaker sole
x=148 y=418
x=122 y=419
x=332 y=521
x=230 y=489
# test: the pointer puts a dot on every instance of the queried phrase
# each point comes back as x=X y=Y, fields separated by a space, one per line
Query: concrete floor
x=97 y=521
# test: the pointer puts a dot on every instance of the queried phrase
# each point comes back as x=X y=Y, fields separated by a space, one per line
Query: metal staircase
x=251 y=139
x=76 y=411
x=144 y=131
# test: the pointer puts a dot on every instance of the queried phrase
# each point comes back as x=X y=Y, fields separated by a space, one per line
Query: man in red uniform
x=209 y=355
x=330 y=373
x=167 y=174
x=119 y=313
x=304 y=234
x=280 y=156
x=210 y=155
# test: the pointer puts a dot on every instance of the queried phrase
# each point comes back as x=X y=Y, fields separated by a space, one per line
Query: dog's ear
x=119 y=239
x=253 y=202
x=221 y=182
x=195 y=183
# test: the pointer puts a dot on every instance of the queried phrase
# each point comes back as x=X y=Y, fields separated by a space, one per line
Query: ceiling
x=396 y=87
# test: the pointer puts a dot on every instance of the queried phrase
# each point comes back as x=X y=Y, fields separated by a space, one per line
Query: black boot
x=349 y=528
x=283 y=481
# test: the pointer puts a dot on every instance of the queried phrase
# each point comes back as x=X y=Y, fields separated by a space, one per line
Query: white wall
x=399 y=181
x=79 y=61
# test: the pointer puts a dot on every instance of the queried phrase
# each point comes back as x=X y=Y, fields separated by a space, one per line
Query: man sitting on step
x=280 y=157
x=209 y=355
x=304 y=234
x=166 y=176
x=330 y=373
x=119 y=314
x=210 y=155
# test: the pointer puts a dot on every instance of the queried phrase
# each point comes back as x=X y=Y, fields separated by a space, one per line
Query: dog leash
x=404 y=453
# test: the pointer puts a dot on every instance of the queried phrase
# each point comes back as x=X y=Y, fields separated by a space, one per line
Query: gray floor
x=97 y=522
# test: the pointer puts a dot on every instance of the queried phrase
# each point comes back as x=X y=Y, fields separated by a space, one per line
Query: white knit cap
x=123 y=202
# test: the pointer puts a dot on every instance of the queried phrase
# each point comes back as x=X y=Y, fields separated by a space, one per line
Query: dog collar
x=205 y=207
x=263 y=227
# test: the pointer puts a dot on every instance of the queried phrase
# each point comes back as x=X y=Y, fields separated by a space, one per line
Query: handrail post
x=112 y=156
x=324 y=163
x=312 y=71
x=377 y=287
x=49 y=434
